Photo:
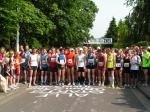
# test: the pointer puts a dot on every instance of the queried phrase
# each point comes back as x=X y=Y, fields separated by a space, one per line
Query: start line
x=79 y=91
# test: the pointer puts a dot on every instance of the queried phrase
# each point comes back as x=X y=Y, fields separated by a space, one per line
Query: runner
x=33 y=65
x=2 y=52
x=61 y=61
x=118 y=70
x=101 y=67
x=111 y=67
x=75 y=70
x=23 y=65
x=135 y=62
x=18 y=61
x=126 y=69
x=52 y=65
x=80 y=63
x=7 y=71
x=91 y=65
x=145 y=64
x=12 y=70
x=43 y=66
x=70 y=57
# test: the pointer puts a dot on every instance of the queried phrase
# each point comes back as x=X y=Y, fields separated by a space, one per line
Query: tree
x=124 y=33
x=47 y=22
x=23 y=16
x=112 y=31
x=140 y=22
x=73 y=20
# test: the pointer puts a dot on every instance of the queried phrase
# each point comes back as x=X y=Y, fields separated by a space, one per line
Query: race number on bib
x=62 y=61
x=118 y=64
x=126 y=64
x=109 y=60
x=23 y=60
x=91 y=61
x=53 y=59
x=43 y=62
x=70 y=61
x=100 y=64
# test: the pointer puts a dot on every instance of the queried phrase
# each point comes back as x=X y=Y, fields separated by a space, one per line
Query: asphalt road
x=74 y=99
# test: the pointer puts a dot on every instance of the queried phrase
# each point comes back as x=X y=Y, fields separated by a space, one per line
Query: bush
x=143 y=43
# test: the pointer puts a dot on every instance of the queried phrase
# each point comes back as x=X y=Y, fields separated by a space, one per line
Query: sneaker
x=93 y=83
x=8 y=89
x=73 y=84
x=125 y=85
x=69 y=84
x=134 y=87
x=102 y=84
x=113 y=86
x=51 y=84
x=29 y=85
x=25 y=82
x=62 y=84
x=99 y=84
x=146 y=85
x=44 y=83
x=34 y=84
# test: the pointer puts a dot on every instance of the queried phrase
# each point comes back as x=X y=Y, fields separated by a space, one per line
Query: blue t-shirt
x=43 y=60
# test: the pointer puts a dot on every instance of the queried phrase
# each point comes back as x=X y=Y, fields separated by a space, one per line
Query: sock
x=41 y=79
x=45 y=79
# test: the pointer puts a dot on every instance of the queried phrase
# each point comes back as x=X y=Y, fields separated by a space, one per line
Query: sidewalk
x=12 y=93
x=145 y=91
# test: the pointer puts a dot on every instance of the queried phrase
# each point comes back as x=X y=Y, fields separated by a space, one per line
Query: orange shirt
x=70 y=59
x=18 y=60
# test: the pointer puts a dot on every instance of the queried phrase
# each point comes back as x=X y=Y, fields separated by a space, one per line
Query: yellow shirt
x=110 y=61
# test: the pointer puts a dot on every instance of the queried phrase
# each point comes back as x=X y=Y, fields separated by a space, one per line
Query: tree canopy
x=46 y=22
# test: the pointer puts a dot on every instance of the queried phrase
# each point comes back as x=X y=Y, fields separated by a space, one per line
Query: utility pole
x=17 y=40
x=18 y=34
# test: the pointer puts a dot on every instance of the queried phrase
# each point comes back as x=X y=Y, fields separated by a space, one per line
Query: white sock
x=41 y=79
x=45 y=79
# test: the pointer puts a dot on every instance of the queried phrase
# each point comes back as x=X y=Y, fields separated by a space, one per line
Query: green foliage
x=140 y=20
x=136 y=26
x=50 y=22
x=143 y=43
x=112 y=32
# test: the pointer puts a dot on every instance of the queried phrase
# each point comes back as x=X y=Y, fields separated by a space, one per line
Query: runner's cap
x=81 y=49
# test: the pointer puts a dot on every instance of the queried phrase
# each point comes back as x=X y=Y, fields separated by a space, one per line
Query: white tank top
x=80 y=60
x=33 y=59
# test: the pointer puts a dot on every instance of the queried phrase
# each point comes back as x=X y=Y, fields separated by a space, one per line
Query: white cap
x=148 y=47
x=98 y=48
x=81 y=49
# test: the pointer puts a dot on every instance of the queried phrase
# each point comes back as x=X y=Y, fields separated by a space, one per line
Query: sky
x=107 y=10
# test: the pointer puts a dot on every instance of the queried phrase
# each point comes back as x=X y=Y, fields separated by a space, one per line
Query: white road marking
x=79 y=91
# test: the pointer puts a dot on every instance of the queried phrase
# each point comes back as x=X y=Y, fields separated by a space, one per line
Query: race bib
x=62 y=62
x=70 y=61
x=80 y=60
x=91 y=61
x=126 y=64
x=43 y=62
x=109 y=60
x=23 y=60
x=53 y=59
x=100 y=64
x=118 y=64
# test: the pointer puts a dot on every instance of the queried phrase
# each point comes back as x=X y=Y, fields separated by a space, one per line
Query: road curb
x=146 y=94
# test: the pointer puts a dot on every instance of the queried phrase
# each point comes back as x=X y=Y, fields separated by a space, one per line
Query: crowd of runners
x=76 y=66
